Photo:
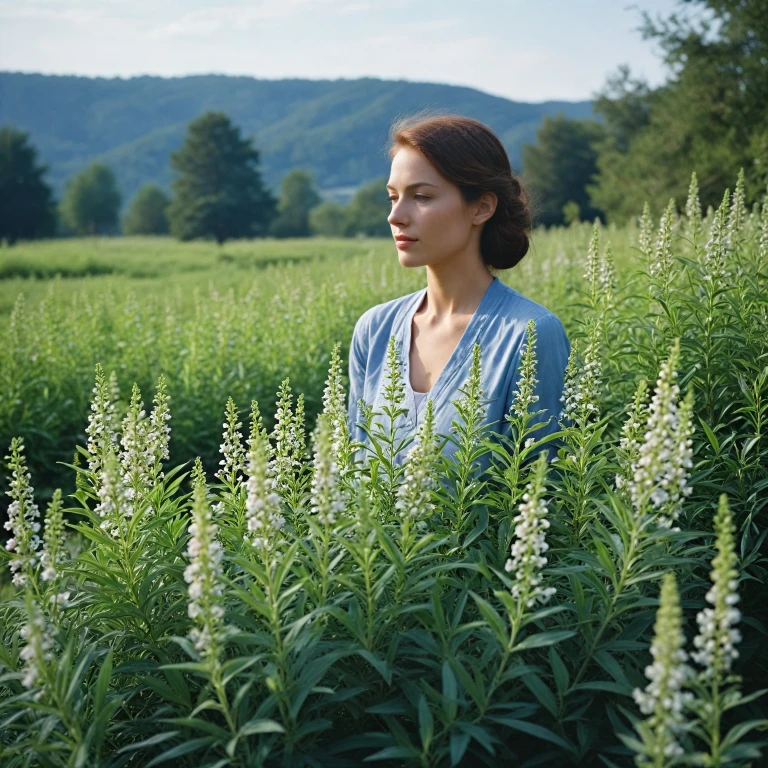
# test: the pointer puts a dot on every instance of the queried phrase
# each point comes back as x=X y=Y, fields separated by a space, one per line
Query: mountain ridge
x=337 y=129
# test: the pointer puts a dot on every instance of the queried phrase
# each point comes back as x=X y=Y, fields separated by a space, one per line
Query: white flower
x=134 y=457
x=718 y=636
x=524 y=396
x=715 y=251
x=529 y=545
x=661 y=266
x=232 y=451
x=53 y=554
x=590 y=275
x=738 y=211
x=762 y=253
x=693 y=209
x=289 y=439
x=262 y=505
x=413 y=497
x=632 y=435
x=38 y=649
x=645 y=236
x=102 y=421
x=334 y=406
x=23 y=516
x=203 y=575
x=159 y=433
x=660 y=472
x=326 y=501
x=664 y=698
x=115 y=499
x=581 y=387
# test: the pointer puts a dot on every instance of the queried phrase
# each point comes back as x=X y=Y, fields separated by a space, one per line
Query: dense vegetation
x=711 y=115
x=297 y=602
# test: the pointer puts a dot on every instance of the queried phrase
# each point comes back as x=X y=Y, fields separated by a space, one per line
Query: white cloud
x=204 y=22
x=510 y=49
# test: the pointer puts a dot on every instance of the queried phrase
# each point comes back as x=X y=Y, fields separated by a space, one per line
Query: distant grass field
x=216 y=321
x=153 y=264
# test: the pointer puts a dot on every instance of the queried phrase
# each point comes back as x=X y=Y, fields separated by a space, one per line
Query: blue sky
x=523 y=50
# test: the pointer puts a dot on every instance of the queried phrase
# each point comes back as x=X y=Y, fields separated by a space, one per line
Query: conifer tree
x=219 y=190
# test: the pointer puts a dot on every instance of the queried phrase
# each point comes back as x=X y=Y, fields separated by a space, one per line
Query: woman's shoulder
x=383 y=315
x=516 y=307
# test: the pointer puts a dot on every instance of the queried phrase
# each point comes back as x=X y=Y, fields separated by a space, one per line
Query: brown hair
x=470 y=155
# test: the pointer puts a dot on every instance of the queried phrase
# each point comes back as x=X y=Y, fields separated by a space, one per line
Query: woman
x=458 y=209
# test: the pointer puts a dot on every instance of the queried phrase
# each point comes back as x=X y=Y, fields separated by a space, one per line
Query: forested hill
x=337 y=129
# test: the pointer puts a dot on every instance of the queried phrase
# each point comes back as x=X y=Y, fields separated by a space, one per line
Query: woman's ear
x=485 y=207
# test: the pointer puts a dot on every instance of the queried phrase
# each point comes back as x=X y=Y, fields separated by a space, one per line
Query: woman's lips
x=405 y=243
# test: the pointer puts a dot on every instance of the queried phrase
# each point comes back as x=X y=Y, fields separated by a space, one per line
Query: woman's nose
x=395 y=215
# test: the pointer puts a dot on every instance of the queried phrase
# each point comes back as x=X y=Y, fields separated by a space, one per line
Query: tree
x=91 y=202
x=711 y=117
x=26 y=201
x=148 y=212
x=368 y=210
x=560 y=165
x=328 y=219
x=297 y=198
x=219 y=189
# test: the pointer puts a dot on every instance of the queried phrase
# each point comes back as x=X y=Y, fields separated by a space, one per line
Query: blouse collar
x=460 y=356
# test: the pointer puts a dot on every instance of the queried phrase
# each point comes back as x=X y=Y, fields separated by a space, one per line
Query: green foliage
x=314 y=603
x=28 y=211
x=219 y=192
x=328 y=220
x=712 y=115
x=560 y=165
x=91 y=202
x=571 y=213
x=147 y=213
x=368 y=210
x=297 y=198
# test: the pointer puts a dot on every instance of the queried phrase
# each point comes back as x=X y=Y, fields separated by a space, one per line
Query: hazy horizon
x=557 y=51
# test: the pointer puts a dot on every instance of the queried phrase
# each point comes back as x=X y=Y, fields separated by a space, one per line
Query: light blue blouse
x=498 y=325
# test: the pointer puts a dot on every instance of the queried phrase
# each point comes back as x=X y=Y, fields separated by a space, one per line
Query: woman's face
x=430 y=209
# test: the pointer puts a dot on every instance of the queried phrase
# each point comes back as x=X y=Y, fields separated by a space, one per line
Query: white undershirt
x=419 y=397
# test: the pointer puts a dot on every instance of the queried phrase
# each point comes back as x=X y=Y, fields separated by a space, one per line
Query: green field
x=287 y=604
x=218 y=322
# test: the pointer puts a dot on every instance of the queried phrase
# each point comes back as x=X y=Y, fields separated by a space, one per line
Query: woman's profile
x=457 y=209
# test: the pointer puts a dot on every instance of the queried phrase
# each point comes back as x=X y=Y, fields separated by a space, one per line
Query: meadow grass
x=298 y=599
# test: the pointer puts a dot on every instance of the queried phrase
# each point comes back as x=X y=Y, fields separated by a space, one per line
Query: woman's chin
x=409 y=260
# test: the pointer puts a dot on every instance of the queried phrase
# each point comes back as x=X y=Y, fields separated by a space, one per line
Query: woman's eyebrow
x=415 y=184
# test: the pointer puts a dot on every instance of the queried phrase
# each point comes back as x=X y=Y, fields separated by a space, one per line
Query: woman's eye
x=415 y=197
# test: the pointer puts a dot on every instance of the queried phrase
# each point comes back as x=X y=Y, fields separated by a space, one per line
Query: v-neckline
x=460 y=351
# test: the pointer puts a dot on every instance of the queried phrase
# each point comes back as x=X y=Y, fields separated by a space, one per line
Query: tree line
x=218 y=193
x=710 y=117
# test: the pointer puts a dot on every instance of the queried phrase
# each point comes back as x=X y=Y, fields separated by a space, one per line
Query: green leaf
x=389 y=753
x=450 y=689
x=559 y=670
x=102 y=683
x=459 y=744
x=150 y=742
x=542 y=693
x=261 y=725
x=534 y=730
x=740 y=730
x=495 y=622
x=426 y=723
x=184 y=748
x=542 y=639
